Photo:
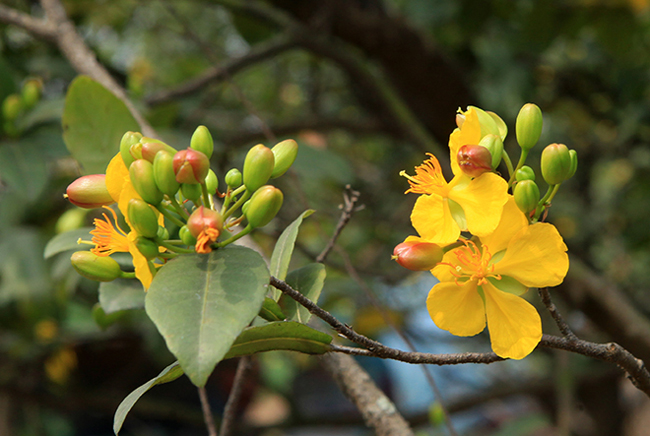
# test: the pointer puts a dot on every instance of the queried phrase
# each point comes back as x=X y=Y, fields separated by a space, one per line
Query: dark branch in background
x=41 y=28
x=350 y=198
x=566 y=331
x=207 y=413
x=230 y=411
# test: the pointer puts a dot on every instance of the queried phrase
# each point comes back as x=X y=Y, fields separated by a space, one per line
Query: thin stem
x=522 y=160
x=169 y=216
x=174 y=248
x=545 y=295
x=127 y=275
x=350 y=197
x=232 y=239
x=511 y=170
x=550 y=193
x=178 y=208
x=237 y=205
x=207 y=199
x=207 y=413
x=230 y=411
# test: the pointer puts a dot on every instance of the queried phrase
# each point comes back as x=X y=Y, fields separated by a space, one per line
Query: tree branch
x=230 y=411
x=40 y=28
x=350 y=198
x=207 y=412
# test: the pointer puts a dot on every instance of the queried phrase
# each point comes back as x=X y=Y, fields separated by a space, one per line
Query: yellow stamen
x=428 y=177
x=108 y=239
x=474 y=263
x=205 y=238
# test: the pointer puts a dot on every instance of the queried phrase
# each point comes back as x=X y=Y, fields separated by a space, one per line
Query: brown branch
x=207 y=413
x=350 y=198
x=230 y=410
x=40 y=28
x=545 y=295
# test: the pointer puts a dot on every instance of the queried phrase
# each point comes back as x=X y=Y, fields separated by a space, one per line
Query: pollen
x=428 y=177
x=108 y=238
x=473 y=263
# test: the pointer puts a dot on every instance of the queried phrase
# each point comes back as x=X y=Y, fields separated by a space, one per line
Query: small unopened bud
x=142 y=218
x=418 y=255
x=89 y=192
x=285 y=153
x=191 y=192
x=93 y=267
x=212 y=182
x=233 y=178
x=202 y=141
x=151 y=148
x=529 y=126
x=556 y=164
x=163 y=173
x=31 y=92
x=258 y=167
x=494 y=144
x=186 y=236
x=526 y=196
x=264 y=206
x=525 y=173
x=147 y=247
x=474 y=160
x=128 y=139
x=12 y=106
x=142 y=178
x=191 y=166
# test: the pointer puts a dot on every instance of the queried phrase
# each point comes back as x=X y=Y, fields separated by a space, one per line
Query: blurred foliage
x=585 y=63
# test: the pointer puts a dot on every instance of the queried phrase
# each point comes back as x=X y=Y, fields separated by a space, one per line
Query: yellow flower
x=484 y=280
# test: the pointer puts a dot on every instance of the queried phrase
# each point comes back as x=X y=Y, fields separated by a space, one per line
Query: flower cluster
x=485 y=245
x=158 y=190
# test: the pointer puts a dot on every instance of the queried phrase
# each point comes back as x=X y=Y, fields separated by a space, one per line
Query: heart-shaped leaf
x=121 y=294
x=201 y=302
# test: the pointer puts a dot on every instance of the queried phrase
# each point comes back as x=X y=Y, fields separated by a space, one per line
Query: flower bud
x=264 y=206
x=556 y=164
x=501 y=125
x=529 y=126
x=93 y=267
x=233 y=178
x=212 y=182
x=163 y=233
x=258 y=167
x=418 y=255
x=574 y=163
x=142 y=218
x=191 y=192
x=129 y=139
x=202 y=141
x=244 y=207
x=474 y=160
x=191 y=166
x=89 y=192
x=151 y=148
x=186 y=236
x=526 y=196
x=284 y=154
x=163 y=173
x=494 y=144
x=202 y=219
x=525 y=173
x=31 y=92
x=488 y=125
x=12 y=106
x=142 y=179
x=147 y=247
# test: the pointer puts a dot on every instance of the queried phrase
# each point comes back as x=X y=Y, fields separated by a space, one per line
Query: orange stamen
x=205 y=238
x=108 y=239
x=428 y=177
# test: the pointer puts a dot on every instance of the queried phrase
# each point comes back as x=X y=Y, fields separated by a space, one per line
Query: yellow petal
x=457 y=309
x=433 y=221
x=468 y=134
x=512 y=221
x=443 y=271
x=482 y=200
x=514 y=324
x=128 y=192
x=116 y=173
x=142 y=270
x=535 y=257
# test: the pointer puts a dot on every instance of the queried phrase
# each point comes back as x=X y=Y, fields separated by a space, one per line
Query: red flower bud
x=89 y=192
x=418 y=255
x=191 y=166
x=474 y=160
x=205 y=225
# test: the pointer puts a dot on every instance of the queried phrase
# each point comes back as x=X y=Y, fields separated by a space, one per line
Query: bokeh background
x=366 y=87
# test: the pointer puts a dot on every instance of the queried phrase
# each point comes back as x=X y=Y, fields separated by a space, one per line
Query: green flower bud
x=474 y=160
x=258 y=167
x=89 y=192
x=143 y=218
x=574 y=163
x=488 y=125
x=529 y=126
x=526 y=196
x=163 y=233
x=202 y=141
x=264 y=206
x=150 y=149
x=191 y=192
x=163 y=173
x=233 y=178
x=186 y=236
x=142 y=178
x=191 y=166
x=128 y=139
x=244 y=206
x=31 y=92
x=556 y=164
x=71 y=219
x=495 y=145
x=525 y=173
x=501 y=125
x=147 y=247
x=12 y=106
x=418 y=255
x=284 y=153
x=93 y=267
x=212 y=182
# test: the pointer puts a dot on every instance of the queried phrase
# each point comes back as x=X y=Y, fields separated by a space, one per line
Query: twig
x=207 y=413
x=37 y=27
x=230 y=411
x=545 y=295
x=350 y=198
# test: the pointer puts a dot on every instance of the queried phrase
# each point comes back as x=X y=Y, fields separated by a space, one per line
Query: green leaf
x=169 y=374
x=23 y=168
x=121 y=294
x=309 y=281
x=201 y=302
x=271 y=311
x=67 y=241
x=284 y=249
x=281 y=335
x=94 y=121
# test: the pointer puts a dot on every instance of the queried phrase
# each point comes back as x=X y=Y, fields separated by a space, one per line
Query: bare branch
x=207 y=412
x=545 y=295
x=350 y=198
x=230 y=411
x=37 y=27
